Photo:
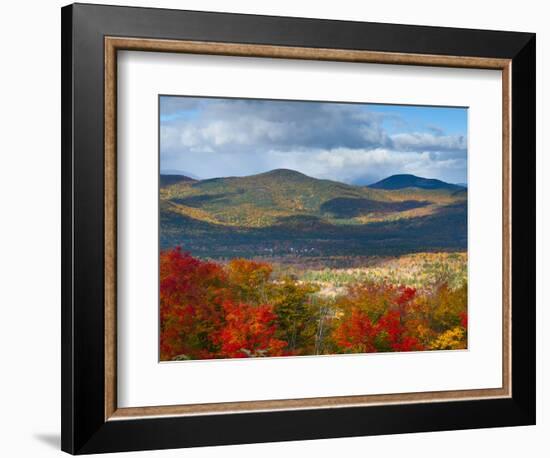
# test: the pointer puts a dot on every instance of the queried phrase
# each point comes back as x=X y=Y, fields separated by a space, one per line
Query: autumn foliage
x=241 y=309
x=379 y=319
x=249 y=331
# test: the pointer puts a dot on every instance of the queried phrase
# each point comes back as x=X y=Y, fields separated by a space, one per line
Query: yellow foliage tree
x=453 y=339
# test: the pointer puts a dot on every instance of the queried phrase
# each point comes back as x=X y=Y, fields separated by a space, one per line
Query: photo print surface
x=304 y=228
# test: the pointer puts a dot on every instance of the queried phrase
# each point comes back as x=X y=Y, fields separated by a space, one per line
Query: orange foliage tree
x=377 y=318
x=249 y=280
x=249 y=331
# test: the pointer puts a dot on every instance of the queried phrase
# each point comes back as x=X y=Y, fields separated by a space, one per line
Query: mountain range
x=284 y=212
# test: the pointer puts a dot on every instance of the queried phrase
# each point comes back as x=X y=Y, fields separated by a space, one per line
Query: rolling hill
x=167 y=180
x=284 y=211
x=412 y=181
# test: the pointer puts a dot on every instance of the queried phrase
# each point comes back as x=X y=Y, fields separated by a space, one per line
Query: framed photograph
x=281 y=228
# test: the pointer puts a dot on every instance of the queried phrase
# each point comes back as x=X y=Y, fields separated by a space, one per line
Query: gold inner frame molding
x=114 y=44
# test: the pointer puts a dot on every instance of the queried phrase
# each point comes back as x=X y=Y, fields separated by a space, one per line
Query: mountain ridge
x=262 y=199
x=392 y=182
x=402 y=181
x=282 y=209
x=170 y=179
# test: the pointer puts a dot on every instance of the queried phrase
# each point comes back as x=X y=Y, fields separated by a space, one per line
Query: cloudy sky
x=353 y=143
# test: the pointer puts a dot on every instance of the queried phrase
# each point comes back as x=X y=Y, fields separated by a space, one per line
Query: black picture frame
x=84 y=428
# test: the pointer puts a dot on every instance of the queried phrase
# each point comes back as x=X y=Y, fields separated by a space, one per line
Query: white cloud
x=345 y=142
x=422 y=141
